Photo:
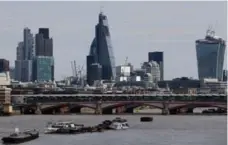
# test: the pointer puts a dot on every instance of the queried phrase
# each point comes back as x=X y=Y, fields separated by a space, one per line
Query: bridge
x=106 y=103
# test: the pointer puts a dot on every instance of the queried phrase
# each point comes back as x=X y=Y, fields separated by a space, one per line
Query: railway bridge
x=113 y=103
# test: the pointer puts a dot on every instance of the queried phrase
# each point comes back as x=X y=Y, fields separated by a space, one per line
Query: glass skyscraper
x=102 y=51
x=210 y=54
x=42 y=68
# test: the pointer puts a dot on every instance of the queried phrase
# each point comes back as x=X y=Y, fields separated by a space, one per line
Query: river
x=164 y=130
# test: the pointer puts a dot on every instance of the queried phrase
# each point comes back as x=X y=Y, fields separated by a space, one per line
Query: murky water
x=164 y=130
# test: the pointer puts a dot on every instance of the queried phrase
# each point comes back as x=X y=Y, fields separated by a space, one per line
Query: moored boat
x=20 y=137
x=119 y=124
x=63 y=128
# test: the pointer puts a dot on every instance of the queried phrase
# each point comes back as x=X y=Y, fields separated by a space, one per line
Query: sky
x=136 y=28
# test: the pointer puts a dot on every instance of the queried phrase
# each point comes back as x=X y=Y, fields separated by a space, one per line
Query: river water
x=164 y=130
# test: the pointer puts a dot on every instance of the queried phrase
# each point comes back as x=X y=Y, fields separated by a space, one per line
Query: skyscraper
x=210 y=53
x=158 y=58
x=25 y=55
x=101 y=49
x=4 y=65
x=44 y=44
x=43 y=65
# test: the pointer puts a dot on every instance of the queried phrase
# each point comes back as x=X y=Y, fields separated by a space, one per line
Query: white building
x=123 y=70
x=4 y=79
x=153 y=69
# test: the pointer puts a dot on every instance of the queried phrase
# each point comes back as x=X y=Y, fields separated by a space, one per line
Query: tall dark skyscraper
x=45 y=32
x=44 y=44
x=43 y=66
x=157 y=57
x=210 y=53
x=102 y=51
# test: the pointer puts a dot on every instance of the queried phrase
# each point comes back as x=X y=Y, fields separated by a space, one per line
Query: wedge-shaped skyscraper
x=210 y=54
x=102 y=51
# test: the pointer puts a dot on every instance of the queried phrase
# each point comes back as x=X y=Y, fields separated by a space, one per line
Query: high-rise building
x=45 y=32
x=25 y=55
x=101 y=49
x=4 y=65
x=28 y=48
x=42 y=68
x=44 y=44
x=158 y=58
x=96 y=68
x=210 y=53
x=44 y=53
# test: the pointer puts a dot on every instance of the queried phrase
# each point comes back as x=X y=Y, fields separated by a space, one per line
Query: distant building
x=12 y=73
x=101 y=49
x=24 y=58
x=4 y=65
x=153 y=69
x=44 y=53
x=224 y=75
x=157 y=57
x=4 y=72
x=123 y=70
x=210 y=53
x=42 y=68
x=97 y=72
x=44 y=44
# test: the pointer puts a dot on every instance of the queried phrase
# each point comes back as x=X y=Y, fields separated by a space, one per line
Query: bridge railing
x=124 y=98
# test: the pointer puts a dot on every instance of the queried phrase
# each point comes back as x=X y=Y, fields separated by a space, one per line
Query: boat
x=20 y=137
x=146 y=119
x=119 y=124
x=63 y=127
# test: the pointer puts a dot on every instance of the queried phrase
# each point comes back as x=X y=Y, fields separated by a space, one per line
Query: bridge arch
x=195 y=105
x=129 y=106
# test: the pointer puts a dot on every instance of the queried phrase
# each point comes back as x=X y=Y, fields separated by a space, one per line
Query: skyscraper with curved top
x=101 y=50
x=210 y=53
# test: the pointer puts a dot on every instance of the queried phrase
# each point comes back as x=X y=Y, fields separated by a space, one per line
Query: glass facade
x=102 y=50
x=210 y=54
x=43 y=66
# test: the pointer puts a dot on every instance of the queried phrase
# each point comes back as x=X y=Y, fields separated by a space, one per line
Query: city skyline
x=129 y=28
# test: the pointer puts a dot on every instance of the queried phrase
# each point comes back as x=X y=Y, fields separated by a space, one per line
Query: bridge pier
x=22 y=110
x=98 y=109
x=165 y=110
x=38 y=109
x=189 y=110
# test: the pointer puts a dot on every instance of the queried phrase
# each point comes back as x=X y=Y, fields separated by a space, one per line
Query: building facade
x=210 y=54
x=158 y=57
x=44 y=44
x=101 y=49
x=24 y=58
x=44 y=53
x=42 y=68
x=4 y=65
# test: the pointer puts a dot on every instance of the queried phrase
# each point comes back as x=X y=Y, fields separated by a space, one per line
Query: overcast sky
x=136 y=28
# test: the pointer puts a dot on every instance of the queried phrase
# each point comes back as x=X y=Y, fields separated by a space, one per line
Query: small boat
x=146 y=119
x=63 y=127
x=119 y=124
x=20 y=137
